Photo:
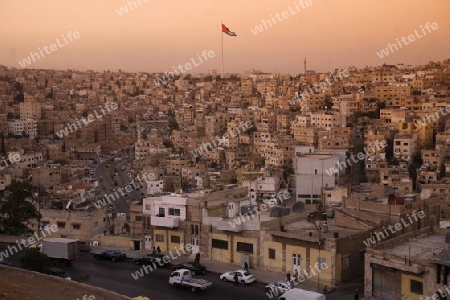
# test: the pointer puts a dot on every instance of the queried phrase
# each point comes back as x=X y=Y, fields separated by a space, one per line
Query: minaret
x=304 y=67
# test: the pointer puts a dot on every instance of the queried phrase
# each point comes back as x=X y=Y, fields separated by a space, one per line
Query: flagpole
x=221 y=33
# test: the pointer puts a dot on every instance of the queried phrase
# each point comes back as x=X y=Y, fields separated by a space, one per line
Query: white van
x=297 y=294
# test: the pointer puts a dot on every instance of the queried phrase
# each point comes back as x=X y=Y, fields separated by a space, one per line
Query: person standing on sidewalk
x=288 y=277
x=356 y=294
x=246 y=266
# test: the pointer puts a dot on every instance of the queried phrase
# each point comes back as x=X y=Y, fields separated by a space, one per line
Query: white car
x=244 y=276
x=280 y=286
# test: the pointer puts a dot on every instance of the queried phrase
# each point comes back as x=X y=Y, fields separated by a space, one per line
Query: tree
x=34 y=260
x=17 y=210
x=173 y=125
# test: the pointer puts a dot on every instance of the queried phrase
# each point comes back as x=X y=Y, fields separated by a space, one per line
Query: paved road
x=117 y=277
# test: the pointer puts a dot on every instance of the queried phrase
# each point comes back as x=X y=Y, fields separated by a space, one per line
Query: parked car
x=278 y=288
x=59 y=273
x=112 y=255
x=192 y=266
x=150 y=259
x=244 y=276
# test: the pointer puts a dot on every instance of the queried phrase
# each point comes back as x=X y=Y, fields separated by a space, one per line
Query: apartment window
x=174 y=211
x=345 y=262
x=76 y=226
x=175 y=239
x=244 y=247
x=271 y=253
x=44 y=223
x=321 y=260
x=147 y=206
x=159 y=237
x=61 y=224
x=416 y=287
x=219 y=244
x=138 y=218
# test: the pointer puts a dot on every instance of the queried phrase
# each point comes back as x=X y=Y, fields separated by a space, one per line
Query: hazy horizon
x=155 y=37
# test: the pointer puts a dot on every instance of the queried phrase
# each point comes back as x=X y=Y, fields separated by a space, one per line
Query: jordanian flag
x=227 y=31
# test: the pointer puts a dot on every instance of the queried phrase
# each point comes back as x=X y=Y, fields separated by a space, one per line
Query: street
x=117 y=277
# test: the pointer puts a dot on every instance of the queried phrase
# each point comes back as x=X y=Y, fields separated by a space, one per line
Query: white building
x=165 y=211
x=405 y=146
x=262 y=188
x=313 y=173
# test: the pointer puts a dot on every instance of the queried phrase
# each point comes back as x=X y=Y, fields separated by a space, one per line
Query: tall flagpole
x=221 y=33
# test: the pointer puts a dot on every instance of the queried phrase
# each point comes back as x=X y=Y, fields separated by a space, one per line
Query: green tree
x=173 y=125
x=35 y=261
x=17 y=210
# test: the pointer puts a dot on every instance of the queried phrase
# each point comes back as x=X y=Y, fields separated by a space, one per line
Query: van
x=296 y=294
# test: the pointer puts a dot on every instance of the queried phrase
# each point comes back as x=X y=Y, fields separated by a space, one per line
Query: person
x=236 y=279
x=159 y=250
x=154 y=250
x=356 y=294
x=325 y=290
x=197 y=257
x=246 y=266
x=296 y=275
x=288 y=276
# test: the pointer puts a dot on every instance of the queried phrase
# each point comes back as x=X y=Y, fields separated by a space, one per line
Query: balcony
x=226 y=226
x=170 y=222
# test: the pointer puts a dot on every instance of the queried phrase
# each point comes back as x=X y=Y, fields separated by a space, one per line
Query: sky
x=156 y=35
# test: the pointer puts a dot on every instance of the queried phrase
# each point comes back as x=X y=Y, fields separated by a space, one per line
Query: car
x=35 y=247
x=59 y=273
x=112 y=255
x=244 y=276
x=152 y=259
x=192 y=266
x=279 y=287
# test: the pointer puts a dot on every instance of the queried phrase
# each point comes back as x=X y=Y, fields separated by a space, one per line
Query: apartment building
x=328 y=119
x=21 y=127
x=30 y=110
x=405 y=146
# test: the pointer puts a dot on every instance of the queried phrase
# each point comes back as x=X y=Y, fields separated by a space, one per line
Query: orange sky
x=160 y=34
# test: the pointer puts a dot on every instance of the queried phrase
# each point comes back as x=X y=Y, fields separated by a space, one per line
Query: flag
x=227 y=31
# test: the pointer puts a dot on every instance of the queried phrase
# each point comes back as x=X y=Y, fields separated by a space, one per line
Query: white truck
x=60 y=249
x=295 y=294
x=183 y=278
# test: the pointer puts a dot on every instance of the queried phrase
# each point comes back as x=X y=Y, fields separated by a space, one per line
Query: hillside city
x=340 y=176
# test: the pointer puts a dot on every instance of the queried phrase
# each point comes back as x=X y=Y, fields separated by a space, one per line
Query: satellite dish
x=298 y=207
x=389 y=190
x=425 y=194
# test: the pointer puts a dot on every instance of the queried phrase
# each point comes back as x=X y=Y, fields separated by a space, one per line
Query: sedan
x=112 y=255
x=152 y=259
x=278 y=288
x=244 y=277
x=194 y=267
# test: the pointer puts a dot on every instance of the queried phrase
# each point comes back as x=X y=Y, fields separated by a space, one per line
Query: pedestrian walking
x=356 y=294
x=236 y=279
x=159 y=250
x=197 y=257
x=288 y=277
x=154 y=250
x=246 y=266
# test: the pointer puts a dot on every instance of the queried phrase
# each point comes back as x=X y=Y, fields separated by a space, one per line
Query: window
x=61 y=224
x=44 y=223
x=321 y=260
x=220 y=244
x=138 y=218
x=244 y=247
x=76 y=226
x=194 y=229
x=271 y=253
x=174 y=211
x=416 y=287
x=159 y=237
x=345 y=262
x=175 y=239
x=147 y=207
